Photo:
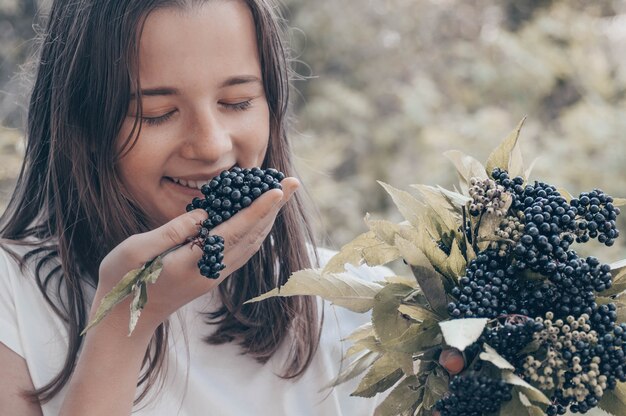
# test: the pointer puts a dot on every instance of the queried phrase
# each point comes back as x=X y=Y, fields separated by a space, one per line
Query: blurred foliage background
x=389 y=85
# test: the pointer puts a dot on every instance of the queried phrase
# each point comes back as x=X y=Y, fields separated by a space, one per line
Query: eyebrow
x=236 y=80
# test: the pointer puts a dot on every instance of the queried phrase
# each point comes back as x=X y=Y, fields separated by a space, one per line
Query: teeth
x=189 y=184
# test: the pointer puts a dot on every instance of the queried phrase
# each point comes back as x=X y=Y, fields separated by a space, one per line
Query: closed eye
x=158 y=120
x=240 y=106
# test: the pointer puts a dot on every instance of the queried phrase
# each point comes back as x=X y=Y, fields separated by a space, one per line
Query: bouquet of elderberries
x=494 y=276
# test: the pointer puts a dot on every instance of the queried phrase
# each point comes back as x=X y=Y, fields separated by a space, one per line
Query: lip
x=201 y=176
x=178 y=188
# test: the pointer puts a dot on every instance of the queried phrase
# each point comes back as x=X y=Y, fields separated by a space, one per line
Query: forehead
x=200 y=44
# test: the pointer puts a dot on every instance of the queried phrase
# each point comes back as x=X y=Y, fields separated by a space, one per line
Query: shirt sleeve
x=9 y=332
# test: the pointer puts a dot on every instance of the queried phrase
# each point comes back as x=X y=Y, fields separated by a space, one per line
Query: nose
x=207 y=139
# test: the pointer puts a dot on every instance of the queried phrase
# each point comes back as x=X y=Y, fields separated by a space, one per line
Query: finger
x=452 y=360
x=246 y=230
x=290 y=186
x=171 y=234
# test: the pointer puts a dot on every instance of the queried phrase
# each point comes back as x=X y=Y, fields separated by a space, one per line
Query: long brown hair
x=68 y=197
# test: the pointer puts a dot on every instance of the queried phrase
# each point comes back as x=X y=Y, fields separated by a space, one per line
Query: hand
x=180 y=281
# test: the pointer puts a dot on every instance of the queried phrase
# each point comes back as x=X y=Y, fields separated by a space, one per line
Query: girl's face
x=203 y=101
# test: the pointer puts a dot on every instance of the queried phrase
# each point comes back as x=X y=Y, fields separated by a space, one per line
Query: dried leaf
x=379 y=376
x=369 y=343
x=431 y=283
x=382 y=385
x=530 y=168
x=402 y=280
x=355 y=368
x=455 y=199
x=440 y=207
x=507 y=155
x=387 y=321
x=363 y=331
x=491 y=355
x=418 y=312
x=619 y=202
x=533 y=393
x=136 y=306
x=384 y=230
x=401 y=398
x=434 y=389
x=614 y=401
x=116 y=295
x=365 y=246
x=517 y=406
x=342 y=289
x=565 y=194
x=467 y=167
x=456 y=262
x=461 y=333
x=409 y=251
x=416 y=339
x=410 y=207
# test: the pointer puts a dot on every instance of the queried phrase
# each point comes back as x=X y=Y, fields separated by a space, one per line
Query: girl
x=135 y=105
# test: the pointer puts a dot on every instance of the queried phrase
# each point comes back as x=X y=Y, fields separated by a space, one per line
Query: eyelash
x=155 y=121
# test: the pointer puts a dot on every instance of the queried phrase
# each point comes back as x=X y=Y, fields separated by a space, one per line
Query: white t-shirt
x=201 y=379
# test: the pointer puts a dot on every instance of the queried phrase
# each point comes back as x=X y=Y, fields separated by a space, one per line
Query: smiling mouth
x=189 y=184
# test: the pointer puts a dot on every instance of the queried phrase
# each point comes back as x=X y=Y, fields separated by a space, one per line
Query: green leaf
x=533 y=393
x=116 y=295
x=508 y=155
x=410 y=207
x=614 y=401
x=387 y=321
x=491 y=355
x=401 y=398
x=342 y=289
x=434 y=389
x=461 y=333
x=378 y=377
x=366 y=248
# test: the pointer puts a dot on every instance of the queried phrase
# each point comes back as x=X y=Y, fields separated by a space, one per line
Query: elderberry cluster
x=473 y=395
x=510 y=338
x=224 y=196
